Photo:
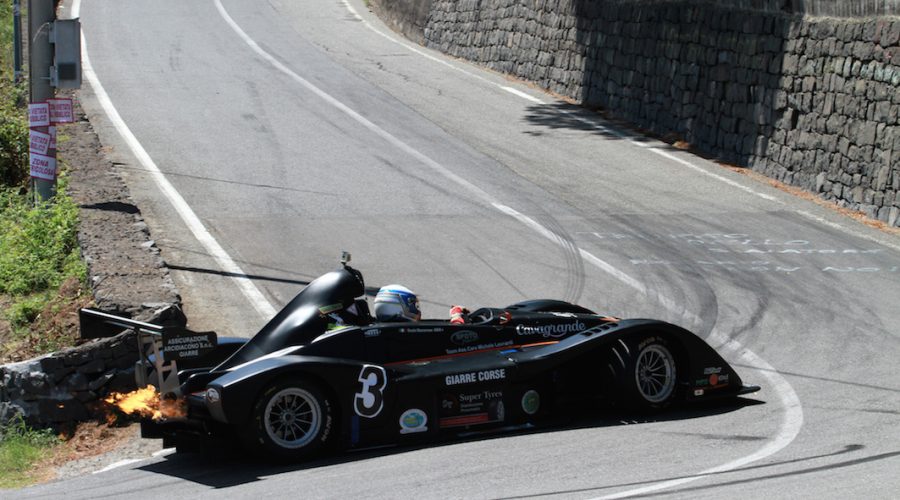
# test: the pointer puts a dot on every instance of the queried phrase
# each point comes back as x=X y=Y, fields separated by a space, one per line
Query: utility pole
x=41 y=15
x=17 y=42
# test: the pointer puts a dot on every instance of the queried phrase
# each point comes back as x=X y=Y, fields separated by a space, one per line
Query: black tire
x=292 y=420
x=644 y=373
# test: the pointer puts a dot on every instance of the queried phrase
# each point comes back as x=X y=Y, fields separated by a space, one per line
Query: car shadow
x=225 y=466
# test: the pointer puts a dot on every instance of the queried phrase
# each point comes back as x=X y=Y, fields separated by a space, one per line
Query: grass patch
x=38 y=244
x=43 y=280
x=20 y=449
x=42 y=275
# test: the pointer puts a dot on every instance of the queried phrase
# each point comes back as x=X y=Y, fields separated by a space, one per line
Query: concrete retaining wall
x=811 y=101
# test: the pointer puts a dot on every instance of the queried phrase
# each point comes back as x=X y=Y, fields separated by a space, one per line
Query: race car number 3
x=370 y=398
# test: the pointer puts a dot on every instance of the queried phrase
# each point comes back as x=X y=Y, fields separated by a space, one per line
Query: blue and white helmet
x=396 y=303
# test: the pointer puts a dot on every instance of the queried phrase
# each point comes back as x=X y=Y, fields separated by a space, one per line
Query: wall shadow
x=701 y=73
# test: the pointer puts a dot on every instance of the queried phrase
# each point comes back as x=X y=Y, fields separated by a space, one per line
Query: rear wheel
x=291 y=421
x=645 y=373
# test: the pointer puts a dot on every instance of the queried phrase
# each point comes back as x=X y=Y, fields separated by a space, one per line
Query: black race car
x=322 y=374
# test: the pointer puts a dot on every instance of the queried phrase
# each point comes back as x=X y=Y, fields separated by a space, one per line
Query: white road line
x=247 y=287
x=821 y=220
x=430 y=57
x=844 y=229
x=120 y=463
x=715 y=176
x=793 y=418
x=365 y=122
x=521 y=94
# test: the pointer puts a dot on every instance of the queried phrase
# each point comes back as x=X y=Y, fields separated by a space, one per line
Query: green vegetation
x=20 y=448
x=13 y=125
x=38 y=243
x=38 y=246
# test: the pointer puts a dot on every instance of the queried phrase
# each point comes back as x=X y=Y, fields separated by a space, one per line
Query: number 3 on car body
x=370 y=398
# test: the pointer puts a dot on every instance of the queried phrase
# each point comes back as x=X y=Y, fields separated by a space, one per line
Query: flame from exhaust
x=147 y=403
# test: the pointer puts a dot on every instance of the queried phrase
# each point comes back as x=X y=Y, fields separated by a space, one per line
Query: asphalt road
x=296 y=129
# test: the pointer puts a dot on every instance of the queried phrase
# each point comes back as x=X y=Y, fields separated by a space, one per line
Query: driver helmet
x=396 y=303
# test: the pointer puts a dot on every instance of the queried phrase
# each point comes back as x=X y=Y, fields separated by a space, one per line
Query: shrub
x=13 y=142
x=13 y=122
x=38 y=245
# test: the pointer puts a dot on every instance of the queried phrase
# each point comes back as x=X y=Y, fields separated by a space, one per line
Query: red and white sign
x=39 y=142
x=61 y=110
x=43 y=167
x=39 y=115
x=52 y=131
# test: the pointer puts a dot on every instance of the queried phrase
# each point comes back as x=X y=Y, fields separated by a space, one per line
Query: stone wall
x=406 y=16
x=56 y=390
x=811 y=101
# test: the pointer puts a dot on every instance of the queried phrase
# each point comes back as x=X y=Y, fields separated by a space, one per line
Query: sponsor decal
x=497 y=411
x=461 y=420
x=479 y=347
x=698 y=392
x=421 y=330
x=372 y=333
x=412 y=421
x=187 y=345
x=531 y=402
x=713 y=381
x=712 y=370
x=473 y=377
x=469 y=403
x=716 y=380
x=555 y=331
x=369 y=401
x=505 y=317
x=470 y=408
x=563 y=315
x=464 y=337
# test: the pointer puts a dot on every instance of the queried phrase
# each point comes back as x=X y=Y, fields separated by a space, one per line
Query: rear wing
x=159 y=347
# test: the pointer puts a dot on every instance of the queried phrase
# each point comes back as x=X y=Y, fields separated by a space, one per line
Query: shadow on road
x=225 y=467
x=682 y=492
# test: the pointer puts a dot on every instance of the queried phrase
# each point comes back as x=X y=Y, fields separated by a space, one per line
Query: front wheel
x=291 y=421
x=645 y=373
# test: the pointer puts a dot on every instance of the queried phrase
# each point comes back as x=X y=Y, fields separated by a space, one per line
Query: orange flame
x=147 y=403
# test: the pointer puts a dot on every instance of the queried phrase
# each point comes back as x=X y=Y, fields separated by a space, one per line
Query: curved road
x=294 y=129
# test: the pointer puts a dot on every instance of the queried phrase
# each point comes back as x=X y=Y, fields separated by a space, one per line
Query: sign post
x=17 y=40
x=40 y=16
